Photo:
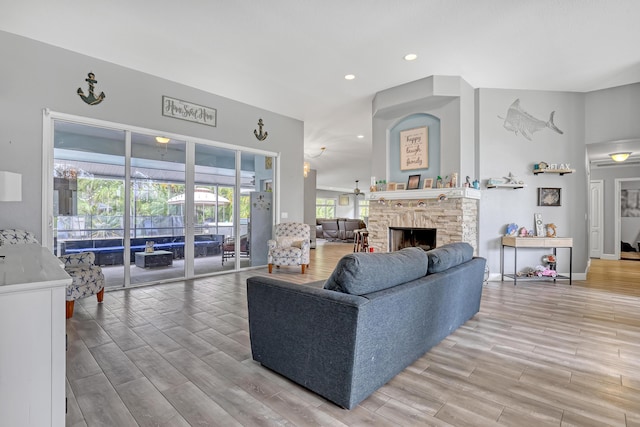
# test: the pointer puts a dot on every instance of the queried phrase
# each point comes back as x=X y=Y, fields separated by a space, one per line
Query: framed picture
x=414 y=182
x=414 y=148
x=267 y=185
x=343 y=200
x=402 y=186
x=428 y=183
x=391 y=186
x=548 y=196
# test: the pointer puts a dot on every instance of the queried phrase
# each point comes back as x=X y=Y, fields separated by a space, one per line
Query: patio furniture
x=229 y=247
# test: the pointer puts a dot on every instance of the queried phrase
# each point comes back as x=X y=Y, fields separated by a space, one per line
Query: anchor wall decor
x=91 y=99
x=261 y=136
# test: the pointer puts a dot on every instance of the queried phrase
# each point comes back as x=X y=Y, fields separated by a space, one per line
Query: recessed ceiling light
x=350 y=77
x=410 y=56
x=360 y=136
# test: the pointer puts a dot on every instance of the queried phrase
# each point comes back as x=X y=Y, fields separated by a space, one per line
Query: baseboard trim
x=609 y=257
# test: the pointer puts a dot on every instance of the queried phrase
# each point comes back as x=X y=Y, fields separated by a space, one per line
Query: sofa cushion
x=448 y=256
x=361 y=273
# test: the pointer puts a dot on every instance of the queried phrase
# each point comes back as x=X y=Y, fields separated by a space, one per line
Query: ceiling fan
x=357 y=190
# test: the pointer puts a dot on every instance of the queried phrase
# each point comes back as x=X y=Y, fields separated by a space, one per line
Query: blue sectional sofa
x=375 y=315
x=110 y=251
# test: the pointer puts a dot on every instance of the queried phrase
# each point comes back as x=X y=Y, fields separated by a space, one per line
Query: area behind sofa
x=344 y=346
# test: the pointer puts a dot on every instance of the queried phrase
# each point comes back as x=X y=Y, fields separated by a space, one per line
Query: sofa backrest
x=361 y=273
x=450 y=255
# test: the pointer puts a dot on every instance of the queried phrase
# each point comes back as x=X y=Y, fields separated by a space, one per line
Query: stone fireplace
x=453 y=212
x=412 y=237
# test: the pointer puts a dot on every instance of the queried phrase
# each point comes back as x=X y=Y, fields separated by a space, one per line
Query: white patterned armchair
x=290 y=246
x=87 y=278
x=14 y=236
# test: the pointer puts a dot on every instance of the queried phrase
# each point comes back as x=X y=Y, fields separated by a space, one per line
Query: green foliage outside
x=100 y=196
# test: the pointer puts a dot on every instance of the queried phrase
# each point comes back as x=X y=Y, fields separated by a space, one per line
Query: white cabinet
x=32 y=337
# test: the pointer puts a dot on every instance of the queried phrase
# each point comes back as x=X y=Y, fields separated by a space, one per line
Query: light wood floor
x=537 y=354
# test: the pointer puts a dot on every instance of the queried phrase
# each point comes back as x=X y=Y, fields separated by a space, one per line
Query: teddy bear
x=551 y=230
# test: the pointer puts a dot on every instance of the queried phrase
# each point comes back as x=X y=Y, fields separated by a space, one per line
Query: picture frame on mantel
x=414 y=148
x=428 y=183
x=401 y=186
x=414 y=182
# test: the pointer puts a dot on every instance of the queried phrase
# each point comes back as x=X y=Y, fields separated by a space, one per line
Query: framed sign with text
x=414 y=148
x=178 y=109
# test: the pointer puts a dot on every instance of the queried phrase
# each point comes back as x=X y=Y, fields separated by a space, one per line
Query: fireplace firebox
x=405 y=237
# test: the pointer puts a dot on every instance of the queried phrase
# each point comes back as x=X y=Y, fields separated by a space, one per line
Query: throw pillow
x=447 y=256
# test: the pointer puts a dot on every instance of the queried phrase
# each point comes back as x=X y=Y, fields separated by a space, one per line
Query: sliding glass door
x=88 y=211
x=156 y=209
x=157 y=227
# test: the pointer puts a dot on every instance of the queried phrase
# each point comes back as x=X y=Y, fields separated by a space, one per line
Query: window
x=325 y=208
x=363 y=210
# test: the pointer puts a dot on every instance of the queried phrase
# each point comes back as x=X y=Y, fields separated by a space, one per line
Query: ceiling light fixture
x=620 y=157
x=306 y=169
x=360 y=136
x=315 y=156
x=410 y=57
x=162 y=139
x=350 y=76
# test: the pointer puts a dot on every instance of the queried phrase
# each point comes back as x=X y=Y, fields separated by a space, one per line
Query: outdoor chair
x=229 y=247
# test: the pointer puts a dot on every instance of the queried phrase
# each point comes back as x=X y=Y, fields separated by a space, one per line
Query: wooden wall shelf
x=514 y=186
x=558 y=171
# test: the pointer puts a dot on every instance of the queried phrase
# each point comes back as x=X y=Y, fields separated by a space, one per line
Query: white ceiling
x=290 y=56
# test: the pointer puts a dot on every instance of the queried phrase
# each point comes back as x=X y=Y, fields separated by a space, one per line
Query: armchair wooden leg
x=270 y=268
x=100 y=295
x=70 y=309
x=303 y=267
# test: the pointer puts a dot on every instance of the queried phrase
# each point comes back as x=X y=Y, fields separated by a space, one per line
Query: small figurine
x=523 y=232
x=551 y=230
x=467 y=182
x=511 y=179
x=541 y=271
x=512 y=229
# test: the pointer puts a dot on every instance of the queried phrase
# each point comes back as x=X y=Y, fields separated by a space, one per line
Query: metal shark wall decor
x=261 y=136
x=518 y=120
x=92 y=99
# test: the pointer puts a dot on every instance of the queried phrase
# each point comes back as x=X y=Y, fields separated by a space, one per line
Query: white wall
x=612 y=114
x=35 y=76
x=502 y=152
x=341 y=211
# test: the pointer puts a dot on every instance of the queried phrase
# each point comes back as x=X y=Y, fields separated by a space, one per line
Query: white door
x=596 y=222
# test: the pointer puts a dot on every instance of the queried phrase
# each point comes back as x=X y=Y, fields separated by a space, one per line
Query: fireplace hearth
x=405 y=237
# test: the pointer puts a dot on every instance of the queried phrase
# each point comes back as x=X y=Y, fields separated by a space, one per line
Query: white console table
x=32 y=337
